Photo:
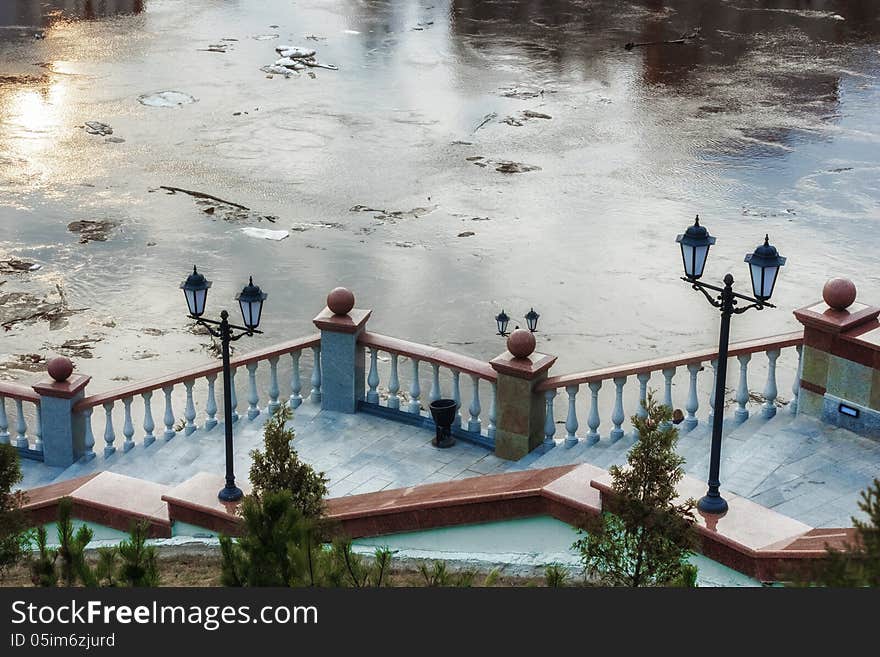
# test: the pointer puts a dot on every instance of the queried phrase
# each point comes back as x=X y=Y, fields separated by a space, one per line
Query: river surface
x=384 y=172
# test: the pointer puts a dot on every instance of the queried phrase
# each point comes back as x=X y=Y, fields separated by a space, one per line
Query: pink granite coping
x=529 y=367
x=106 y=498
x=824 y=317
x=353 y=322
x=746 y=524
x=199 y=493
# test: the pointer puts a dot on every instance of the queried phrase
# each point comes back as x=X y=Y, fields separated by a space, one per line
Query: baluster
x=593 y=420
x=88 y=436
x=741 y=414
x=617 y=416
x=169 y=414
x=109 y=434
x=189 y=412
x=273 y=385
x=393 y=385
x=434 y=395
x=211 y=405
x=20 y=426
x=373 y=377
x=796 y=387
x=642 y=413
x=693 y=404
x=456 y=396
x=149 y=425
x=38 y=430
x=4 y=422
x=295 y=381
x=415 y=390
x=571 y=420
x=233 y=398
x=493 y=413
x=668 y=374
x=474 y=424
x=315 y=396
x=253 y=396
x=714 y=364
x=127 y=426
x=770 y=390
x=549 y=420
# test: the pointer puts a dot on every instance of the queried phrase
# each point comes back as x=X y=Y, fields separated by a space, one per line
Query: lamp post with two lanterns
x=764 y=264
x=250 y=300
x=502 y=320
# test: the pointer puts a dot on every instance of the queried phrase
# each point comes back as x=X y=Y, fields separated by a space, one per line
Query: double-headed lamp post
x=764 y=266
x=502 y=320
x=250 y=299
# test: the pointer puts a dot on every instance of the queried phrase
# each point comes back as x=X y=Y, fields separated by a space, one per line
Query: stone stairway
x=174 y=461
x=740 y=441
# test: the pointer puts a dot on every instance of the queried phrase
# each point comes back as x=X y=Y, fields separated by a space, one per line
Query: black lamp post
x=764 y=266
x=250 y=299
x=502 y=320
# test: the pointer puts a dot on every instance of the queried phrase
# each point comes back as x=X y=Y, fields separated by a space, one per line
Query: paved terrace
x=799 y=467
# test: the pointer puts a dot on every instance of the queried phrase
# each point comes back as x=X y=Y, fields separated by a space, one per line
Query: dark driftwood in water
x=631 y=45
x=203 y=195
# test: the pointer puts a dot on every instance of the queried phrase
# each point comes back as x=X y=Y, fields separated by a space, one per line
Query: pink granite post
x=63 y=430
x=840 y=383
x=521 y=410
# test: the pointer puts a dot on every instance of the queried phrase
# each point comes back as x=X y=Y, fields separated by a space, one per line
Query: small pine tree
x=858 y=564
x=71 y=548
x=42 y=566
x=644 y=537
x=13 y=535
x=278 y=468
x=275 y=547
x=556 y=576
x=342 y=567
x=139 y=565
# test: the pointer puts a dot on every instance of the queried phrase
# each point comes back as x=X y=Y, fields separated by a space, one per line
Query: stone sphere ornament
x=521 y=343
x=839 y=293
x=59 y=368
x=340 y=301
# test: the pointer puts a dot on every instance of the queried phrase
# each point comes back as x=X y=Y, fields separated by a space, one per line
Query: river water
x=763 y=121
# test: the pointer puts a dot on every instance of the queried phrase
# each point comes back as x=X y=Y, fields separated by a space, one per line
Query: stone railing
x=405 y=402
x=509 y=404
x=29 y=445
x=141 y=395
x=691 y=363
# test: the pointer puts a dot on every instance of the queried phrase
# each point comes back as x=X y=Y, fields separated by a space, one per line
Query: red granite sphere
x=59 y=368
x=340 y=301
x=521 y=343
x=839 y=293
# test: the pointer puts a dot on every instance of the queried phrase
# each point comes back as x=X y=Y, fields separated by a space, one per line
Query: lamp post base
x=230 y=494
x=712 y=504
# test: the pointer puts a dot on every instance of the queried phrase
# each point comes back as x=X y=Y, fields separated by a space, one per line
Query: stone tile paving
x=797 y=466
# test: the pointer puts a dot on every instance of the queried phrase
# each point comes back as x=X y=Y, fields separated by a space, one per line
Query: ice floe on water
x=295 y=58
x=166 y=99
x=264 y=233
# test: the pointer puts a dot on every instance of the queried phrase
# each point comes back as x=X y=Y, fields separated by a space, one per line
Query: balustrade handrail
x=657 y=364
x=428 y=354
x=15 y=391
x=140 y=387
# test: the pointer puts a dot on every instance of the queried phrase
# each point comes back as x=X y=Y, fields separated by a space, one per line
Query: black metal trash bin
x=443 y=412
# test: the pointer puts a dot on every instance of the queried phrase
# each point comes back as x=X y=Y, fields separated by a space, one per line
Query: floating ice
x=264 y=233
x=166 y=99
x=295 y=52
x=287 y=62
x=279 y=70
